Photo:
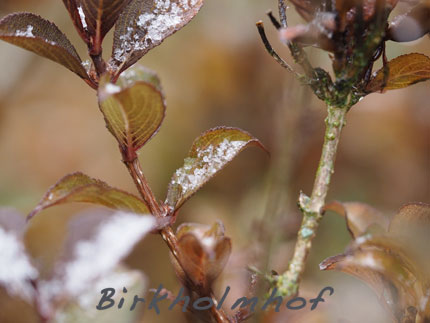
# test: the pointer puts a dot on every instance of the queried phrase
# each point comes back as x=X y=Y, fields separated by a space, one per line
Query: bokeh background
x=215 y=72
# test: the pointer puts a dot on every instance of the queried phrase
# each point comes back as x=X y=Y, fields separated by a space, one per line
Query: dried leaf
x=16 y=270
x=359 y=216
x=78 y=187
x=42 y=37
x=144 y=24
x=133 y=109
x=204 y=252
x=94 y=18
x=210 y=152
x=403 y=71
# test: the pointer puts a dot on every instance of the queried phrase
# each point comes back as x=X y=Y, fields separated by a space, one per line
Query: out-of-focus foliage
x=392 y=258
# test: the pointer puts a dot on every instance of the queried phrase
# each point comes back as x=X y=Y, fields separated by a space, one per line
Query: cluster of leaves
x=354 y=33
x=391 y=255
x=133 y=105
x=140 y=25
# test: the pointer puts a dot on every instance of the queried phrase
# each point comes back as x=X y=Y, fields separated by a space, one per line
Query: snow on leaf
x=78 y=187
x=209 y=154
x=96 y=256
x=144 y=24
x=133 y=108
x=42 y=37
x=16 y=270
x=83 y=309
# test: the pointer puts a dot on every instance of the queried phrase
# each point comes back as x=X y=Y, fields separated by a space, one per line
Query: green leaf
x=144 y=24
x=42 y=37
x=94 y=18
x=209 y=154
x=79 y=187
x=403 y=71
x=133 y=109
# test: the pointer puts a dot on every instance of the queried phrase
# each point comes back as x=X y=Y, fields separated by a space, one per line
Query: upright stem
x=311 y=207
x=167 y=232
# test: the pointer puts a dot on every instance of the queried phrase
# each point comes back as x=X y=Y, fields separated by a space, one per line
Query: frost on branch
x=209 y=154
x=144 y=24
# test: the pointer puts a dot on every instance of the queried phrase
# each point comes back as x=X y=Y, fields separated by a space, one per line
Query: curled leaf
x=359 y=216
x=403 y=71
x=144 y=24
x=209 y=154
x=78 y=187
x=204 y=252
x=134 y=109
x=42 y=37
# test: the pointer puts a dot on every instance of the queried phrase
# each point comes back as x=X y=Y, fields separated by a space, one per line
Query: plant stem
x=167 y=232
x=311 y=207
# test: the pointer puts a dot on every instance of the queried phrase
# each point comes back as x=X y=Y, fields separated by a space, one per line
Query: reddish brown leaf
x=144 y=24
x=94 y=18
x=204 y=252
x=79 y=187
x=134 y=109
x=210 y=153
x=42 y=37
x=359 y=216
x=402 y=71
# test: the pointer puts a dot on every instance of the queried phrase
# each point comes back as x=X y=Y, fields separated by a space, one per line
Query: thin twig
x=274 y=21
x=282 y=13
x=270 y=50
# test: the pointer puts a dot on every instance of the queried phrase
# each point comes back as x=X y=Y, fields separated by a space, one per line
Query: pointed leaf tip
x=40 y=36
x=134 y=109
x=78 y=187
x=210 y=153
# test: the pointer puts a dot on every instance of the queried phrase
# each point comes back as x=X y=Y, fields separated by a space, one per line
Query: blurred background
x=215 y=72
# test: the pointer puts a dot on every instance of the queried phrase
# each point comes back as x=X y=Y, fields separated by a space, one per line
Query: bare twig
x=270 y=49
